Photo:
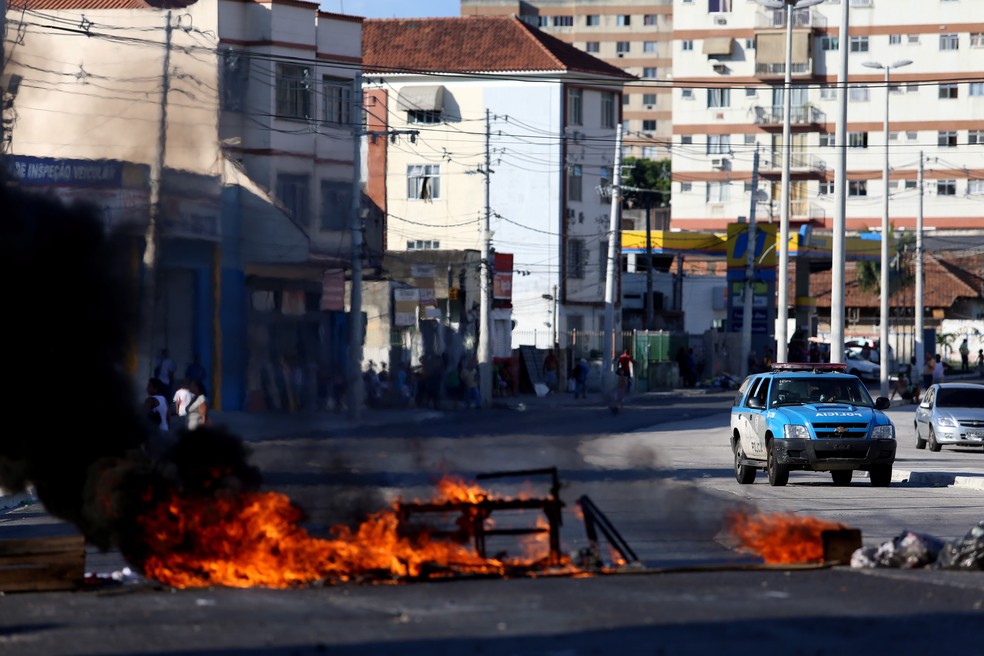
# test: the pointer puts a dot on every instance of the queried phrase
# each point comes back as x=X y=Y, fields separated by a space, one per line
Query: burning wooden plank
x=36 y=564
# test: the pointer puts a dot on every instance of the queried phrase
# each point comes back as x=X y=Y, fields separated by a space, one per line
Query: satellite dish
x=170 y=4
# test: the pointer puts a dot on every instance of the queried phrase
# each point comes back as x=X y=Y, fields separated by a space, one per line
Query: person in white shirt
x=198 y=407
x=182 y=397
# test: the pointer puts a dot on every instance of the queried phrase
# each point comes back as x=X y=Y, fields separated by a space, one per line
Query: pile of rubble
x=911 y=550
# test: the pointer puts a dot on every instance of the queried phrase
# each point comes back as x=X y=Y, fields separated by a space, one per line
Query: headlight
x=796 y=432
x=886 y=432
x=949 y=422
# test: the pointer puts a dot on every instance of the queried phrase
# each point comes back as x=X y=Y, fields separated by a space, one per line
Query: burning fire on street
x=782 y=538
x=254 y=539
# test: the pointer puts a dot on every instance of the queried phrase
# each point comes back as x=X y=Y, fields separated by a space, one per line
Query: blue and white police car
x=813 y=417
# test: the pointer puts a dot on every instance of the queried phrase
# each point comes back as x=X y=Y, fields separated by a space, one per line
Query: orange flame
x=780 y=538
x=254 y=540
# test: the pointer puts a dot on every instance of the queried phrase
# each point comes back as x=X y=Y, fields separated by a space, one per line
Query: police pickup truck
x=810 y=417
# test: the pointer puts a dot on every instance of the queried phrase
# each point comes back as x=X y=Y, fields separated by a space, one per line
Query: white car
x=861 y=367
x=950 y=414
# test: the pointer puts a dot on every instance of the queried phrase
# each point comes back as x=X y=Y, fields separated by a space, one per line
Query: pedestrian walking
x=938 y=376
x=469 y=380
x=980 y=362
x=927 y=372
x=580 y=376
x=155 y=405
x=198 y=407
x=179 y=408
x=964 y=357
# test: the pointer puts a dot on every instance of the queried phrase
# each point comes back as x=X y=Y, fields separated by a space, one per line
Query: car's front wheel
x=778 y=472
x=880 y=476
x=842 y=476
x=743 y=473
x=934 y=446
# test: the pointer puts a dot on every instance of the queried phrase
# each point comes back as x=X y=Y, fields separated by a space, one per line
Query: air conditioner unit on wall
x=717 y=163
x=720 y=20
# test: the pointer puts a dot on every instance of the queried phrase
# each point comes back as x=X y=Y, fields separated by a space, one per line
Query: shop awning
x=422 y=98
x=718 y=46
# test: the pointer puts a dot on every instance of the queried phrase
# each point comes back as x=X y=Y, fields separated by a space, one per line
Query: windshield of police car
x=818 y=389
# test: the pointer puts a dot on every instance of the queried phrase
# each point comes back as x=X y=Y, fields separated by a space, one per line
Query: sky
x=393 y=8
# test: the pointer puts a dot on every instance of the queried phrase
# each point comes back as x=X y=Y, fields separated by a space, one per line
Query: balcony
x=798 y=116
x=800 y=211
x=770 y=43
x=801 y=163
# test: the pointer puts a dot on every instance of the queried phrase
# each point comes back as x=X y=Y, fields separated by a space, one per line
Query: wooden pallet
x=36 y=564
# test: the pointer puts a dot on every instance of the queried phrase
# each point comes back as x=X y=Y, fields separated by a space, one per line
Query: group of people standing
x=172 y=404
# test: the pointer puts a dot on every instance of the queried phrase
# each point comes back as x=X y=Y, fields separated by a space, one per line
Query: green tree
x=899 y=273
x=650 y=175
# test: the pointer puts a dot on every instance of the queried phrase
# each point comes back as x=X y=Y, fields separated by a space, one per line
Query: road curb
x=938 y=479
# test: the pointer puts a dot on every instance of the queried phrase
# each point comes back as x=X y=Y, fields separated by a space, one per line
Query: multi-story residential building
x=492 y=100
x=230 y=121
x=634 y=35
x=728 y=69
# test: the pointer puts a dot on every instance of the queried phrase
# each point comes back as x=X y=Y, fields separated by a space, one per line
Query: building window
x=975 y=187
x=235 y=80
x=650 y=47
x=292 y=191
x=592 y=46
x=686 y=139
x=949 y=42
x=718 y=6
x=625 y=100
x=423 y=181
x=828 y=93
x=893 y=136
x=975 y=137
x=687 y=45
x=912 y=136
x=912 y=39
x=687 y=94
x=423 y=245
x=623 y=20
x=859 y=44
x=575 y=259
x=948 y=91
x=859 y=93
x=749 y=44
x=650 y=152
x=750 y=140
x=336 y=101
x=718 y=98
x=827 y=139
x=423 y=116
x=894 y=39
x=910 y=184
x=977 y=39
x=648 y=125
x=975 y=89
x=592 y=20
x=751 y=92
x=649 y=19
x=575 y=178
x=336 y=204
x=649 y=99
x=622 y=47
x=293 y=91
x=857 y=140
x=563 y=21
x=717 y=192
x=826 y=187
x=575 y=107
x=686 y=187
x=829 y=43
x=946 y=139
x=857 y=188
x=607 y=109
x=946 y=187
x=650 y=72
x=719 y=144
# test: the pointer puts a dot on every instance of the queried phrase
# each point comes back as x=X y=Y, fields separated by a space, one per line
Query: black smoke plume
x=77 y=434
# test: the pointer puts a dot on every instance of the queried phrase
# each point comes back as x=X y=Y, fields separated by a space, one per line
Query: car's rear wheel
x=920 y=442
x=880 y=475
x=743 y=473
x=842 y=476
x=934 y=446
x=778 y=472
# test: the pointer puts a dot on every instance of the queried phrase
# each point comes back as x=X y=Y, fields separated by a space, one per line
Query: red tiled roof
x=471 y=44
x=944 y=282
x=55 y=5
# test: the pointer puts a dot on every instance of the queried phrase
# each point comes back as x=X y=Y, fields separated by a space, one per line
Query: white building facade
x=728 y=69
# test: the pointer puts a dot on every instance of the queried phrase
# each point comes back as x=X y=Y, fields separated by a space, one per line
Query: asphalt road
x=661 y=471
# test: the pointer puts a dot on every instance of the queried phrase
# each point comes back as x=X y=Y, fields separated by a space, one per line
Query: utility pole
x=485 y=283
x=152 y=233
x=918 y=302
x=746 y=322
x=649 y=265
x=354 y=377
x=608 y=347
x=838 y=253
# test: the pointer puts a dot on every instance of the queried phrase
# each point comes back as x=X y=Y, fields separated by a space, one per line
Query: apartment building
x=729 y=61
x=635 y=35
x=490 y=118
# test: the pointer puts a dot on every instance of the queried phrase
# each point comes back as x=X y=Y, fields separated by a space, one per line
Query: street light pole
x=783 y=280
x=883 y=285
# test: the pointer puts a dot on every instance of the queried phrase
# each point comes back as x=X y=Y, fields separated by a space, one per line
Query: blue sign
x=50 y=171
